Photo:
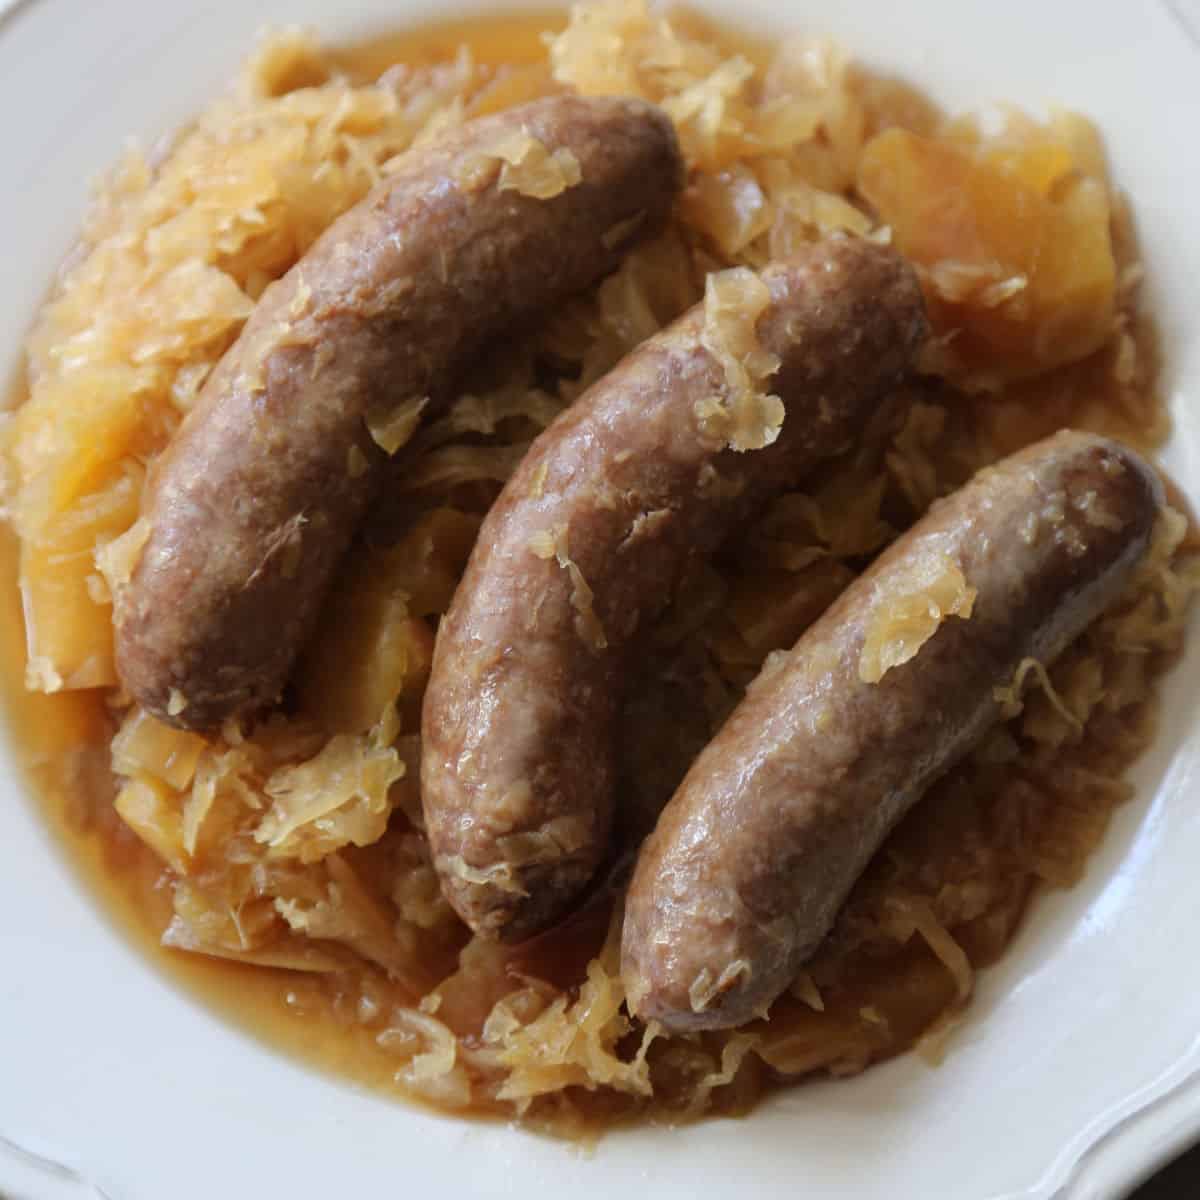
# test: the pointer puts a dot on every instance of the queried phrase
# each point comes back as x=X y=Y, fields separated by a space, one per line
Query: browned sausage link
x=256 y=499
x=781 y=812
x=588 y=541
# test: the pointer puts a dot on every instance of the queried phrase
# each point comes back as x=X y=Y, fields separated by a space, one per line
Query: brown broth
x=122 y=875
x=46 y=730
x=492 y=38
x=61 y=744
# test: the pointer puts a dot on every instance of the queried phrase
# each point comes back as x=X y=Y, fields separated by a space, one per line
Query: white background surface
x=1091 y=1017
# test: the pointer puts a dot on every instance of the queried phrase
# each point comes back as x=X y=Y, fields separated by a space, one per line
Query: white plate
x=1073 y=1075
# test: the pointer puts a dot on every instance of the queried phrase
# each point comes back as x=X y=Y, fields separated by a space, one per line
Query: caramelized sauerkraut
x=743 y=416
x=294 y=849
x=934 y=590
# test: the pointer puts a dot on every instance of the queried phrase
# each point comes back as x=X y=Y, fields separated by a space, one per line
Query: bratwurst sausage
x=257 y=497
x=591 y=535
x=779 y=815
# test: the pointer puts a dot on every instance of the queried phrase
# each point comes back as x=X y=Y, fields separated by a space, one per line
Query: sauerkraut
x=553 y=543
x=933 y=590
x=742 y=414
x=295 y=848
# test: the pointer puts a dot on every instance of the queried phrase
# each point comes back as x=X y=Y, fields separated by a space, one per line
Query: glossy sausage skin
x=518 y=751
x=257 y=497
x=779 y=815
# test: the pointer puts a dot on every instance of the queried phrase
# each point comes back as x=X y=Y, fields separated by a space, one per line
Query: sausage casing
x=779 y=815
x=257 y=497
x=588 y=542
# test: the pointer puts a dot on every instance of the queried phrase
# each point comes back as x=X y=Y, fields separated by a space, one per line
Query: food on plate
x=277 y=861
x=249 y=510
x=836 y=740
x=772 y=375
x=1013 y=233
